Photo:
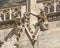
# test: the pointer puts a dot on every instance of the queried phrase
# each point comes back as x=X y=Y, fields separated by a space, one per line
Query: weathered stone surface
x=50 y=39
x=46 y=39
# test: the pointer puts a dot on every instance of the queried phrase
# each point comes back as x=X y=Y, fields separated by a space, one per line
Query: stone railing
x=8 y=16
x=10 y=13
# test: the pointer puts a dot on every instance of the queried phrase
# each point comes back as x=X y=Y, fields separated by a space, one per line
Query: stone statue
x=42 y=20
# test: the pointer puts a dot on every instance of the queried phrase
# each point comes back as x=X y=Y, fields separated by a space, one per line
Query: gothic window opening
x=52 y=9
x=46 y=9
x=59 y=2
x=7 y=16
x=58 y=8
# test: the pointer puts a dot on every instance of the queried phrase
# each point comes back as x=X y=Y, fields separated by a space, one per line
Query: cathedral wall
x=46 y=39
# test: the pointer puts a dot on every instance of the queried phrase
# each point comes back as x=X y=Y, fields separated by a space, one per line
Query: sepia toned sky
x=9 y=1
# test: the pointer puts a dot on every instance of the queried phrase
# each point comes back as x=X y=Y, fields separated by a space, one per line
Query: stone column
x=33 y=19
x=31 y=7
x=55 y=4
x=28 y=5
x=10 y=14
x=48 y=9
x=23 y=10
x=4 y=17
